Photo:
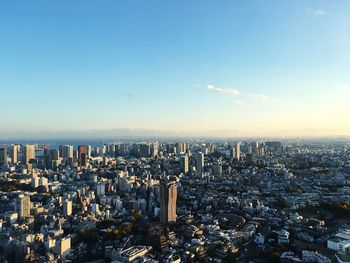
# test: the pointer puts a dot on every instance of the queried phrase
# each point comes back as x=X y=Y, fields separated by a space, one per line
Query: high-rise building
x=238 y=151
x=23 y=206
x=63 y=246
x=67 y=207
x=145 y=149
x=168 y=197
x=3 y=156
x=14 y=154
x=88 y=151
x=199 y=163
x=184 y=164
x=181 y=147
x=28 y=153
x=66 y=152
x=154 y=149
x=54 y=155
x=35 y=181
x=83 y=154
x=101 y=189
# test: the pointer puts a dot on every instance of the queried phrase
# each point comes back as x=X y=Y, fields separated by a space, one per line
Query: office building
x=101 y=189
x=14 y=154
x=145 y=149
x=28 y=153
x=154 y=149
x=66 y=152
x=184 y=164
x=63 y=246
x=83 y=154
x=238 y=151
x=199 y=163
x=3 y=155
x=67 y=207
x=23 y=206
x=168 y=197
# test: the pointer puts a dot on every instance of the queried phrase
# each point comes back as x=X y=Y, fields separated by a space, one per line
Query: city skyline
x=198 y=69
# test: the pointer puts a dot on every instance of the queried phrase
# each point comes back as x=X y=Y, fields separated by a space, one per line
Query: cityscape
x=180 y=131
x=176 y=201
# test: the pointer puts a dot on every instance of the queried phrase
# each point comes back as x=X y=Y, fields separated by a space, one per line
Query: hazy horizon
x=186 y=68
x=126 y=133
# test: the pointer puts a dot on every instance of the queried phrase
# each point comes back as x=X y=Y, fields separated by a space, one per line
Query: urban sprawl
x=176 y=201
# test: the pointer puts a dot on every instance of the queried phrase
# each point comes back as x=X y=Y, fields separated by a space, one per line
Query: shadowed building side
x=168 y=197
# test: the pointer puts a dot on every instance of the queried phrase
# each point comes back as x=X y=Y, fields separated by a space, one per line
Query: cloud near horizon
x=235 y=92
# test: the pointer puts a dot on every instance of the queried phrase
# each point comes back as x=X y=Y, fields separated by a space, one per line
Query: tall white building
x=238 y=151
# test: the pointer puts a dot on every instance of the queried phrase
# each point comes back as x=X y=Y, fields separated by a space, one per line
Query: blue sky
x=250 y=67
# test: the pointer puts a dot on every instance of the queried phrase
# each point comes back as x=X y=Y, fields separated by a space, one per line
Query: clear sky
x=250 y=67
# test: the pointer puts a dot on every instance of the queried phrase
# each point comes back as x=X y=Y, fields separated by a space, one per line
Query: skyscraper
x=23 y=206
x=14 y=154
x=184 y=166
x=54 y=155
x=199 y=163
x=83 y=154
x=88 y=151
x=3 y=156
x=67 y=207
x=238 y=151
x=154 y=149
x=28 y=153
x=168 y=197
x=66 y=152
x=101 y=189
x=145 y=149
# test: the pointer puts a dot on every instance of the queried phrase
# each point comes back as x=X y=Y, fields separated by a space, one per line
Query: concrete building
x=199 y=163
x=63 y=246
x=83 y=154
x=23 y=206
x=168 y=198
x=238 y=151
x=184 y=164
x=101 y=189
x=28 y=153
x=66 y=152
x=3 y=156
x=14 y=154
x=67 y=207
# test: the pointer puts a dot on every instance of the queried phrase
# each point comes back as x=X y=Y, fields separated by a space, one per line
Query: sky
x=238 y=68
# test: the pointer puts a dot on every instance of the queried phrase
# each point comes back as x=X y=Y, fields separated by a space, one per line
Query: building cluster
x=165 y=201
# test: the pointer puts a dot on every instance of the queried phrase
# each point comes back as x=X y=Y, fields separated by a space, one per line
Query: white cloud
x=226 y=91
x=210 y=86
x=318 y=12
x=239 y=103
x=260 y=97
